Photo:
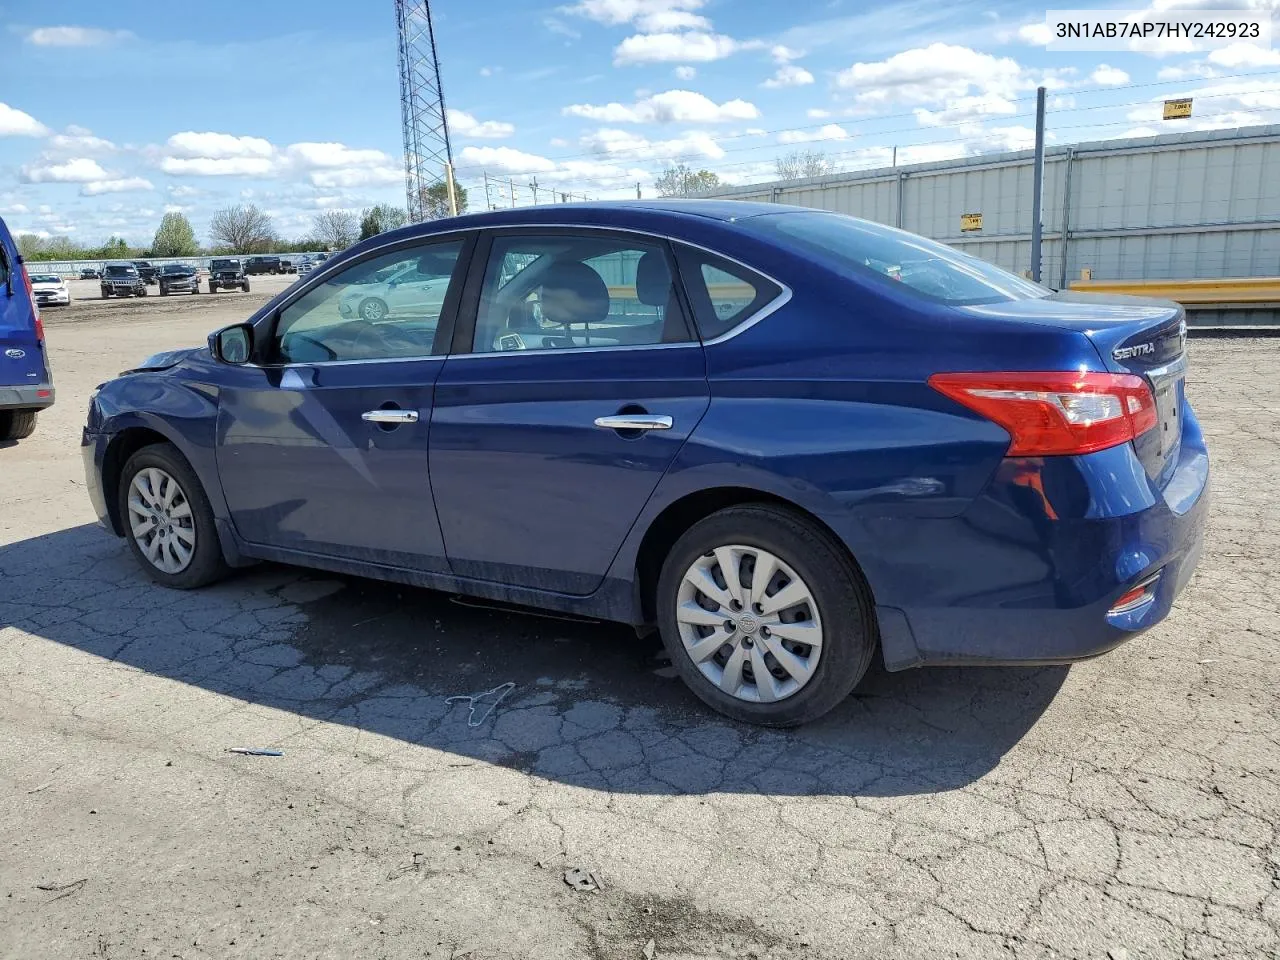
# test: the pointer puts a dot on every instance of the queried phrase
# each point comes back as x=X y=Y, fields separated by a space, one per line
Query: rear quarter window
x=723 y=294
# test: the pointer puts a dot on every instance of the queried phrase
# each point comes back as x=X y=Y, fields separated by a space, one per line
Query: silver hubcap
x=372 y=310
x=749 y=623
x=161 y=521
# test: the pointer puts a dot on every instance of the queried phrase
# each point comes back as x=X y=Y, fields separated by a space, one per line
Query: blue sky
x=112 y=113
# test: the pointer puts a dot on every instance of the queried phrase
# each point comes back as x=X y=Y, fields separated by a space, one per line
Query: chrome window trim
x=777 y=303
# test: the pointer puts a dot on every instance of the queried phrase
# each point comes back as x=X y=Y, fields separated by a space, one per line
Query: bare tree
x=799 y=164
x=337 y=229
x=242 y=229
x=680 y=180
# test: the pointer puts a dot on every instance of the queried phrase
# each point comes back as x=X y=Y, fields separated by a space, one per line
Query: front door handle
x=634 y=421
x=390 y=416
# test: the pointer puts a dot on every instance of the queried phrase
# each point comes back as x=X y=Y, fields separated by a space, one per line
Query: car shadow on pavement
x=590 y=704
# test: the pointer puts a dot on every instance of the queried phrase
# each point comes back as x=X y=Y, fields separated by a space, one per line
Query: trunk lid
x=1132 y=335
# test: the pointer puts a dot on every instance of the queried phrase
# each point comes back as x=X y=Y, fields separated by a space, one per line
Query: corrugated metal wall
x=1183 y=206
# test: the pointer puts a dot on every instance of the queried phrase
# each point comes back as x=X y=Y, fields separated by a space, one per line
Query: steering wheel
x=508 y=341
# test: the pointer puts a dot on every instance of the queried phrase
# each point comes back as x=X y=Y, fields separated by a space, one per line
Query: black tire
x=207 y=564
x=106 y=294
x=17 y=424
x=844 y=601
x=373 y=309
x=164 y=291
x=245 y=286
x=142 y=292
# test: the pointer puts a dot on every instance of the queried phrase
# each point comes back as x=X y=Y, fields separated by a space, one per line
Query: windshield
x=175 y=268
x=931 y=269
x=121 y=272
x=46 y=278
x=224 y=265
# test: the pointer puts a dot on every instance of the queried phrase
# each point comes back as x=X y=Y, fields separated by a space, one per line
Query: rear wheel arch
x=677 y=517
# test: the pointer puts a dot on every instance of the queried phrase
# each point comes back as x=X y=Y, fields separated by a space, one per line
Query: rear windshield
x=121 y=272
x=930 y=269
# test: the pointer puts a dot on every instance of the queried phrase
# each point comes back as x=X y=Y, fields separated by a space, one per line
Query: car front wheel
x=765 y=615
x=167 y=519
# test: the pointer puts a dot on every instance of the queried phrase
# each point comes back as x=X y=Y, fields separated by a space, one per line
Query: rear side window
x=4 y=267
x=723 y=293
x=927 y=268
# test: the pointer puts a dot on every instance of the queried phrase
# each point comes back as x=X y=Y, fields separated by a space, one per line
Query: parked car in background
x=306 y=265
x=26 y=384
x=287 y=266
x=398 y=290
x=50 y=290
x=121 y=280
x=260 y=265
x=90 y=273
x=787 y=439
x=150 y=275
x=178 y=278
x=227 y=274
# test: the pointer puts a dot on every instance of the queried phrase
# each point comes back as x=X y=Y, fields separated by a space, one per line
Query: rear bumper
x=1031 y=572
x=36 y=396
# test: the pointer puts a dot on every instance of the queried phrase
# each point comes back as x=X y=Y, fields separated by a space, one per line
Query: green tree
x=174 y=238
x=680 y=180
x=379 y=219
x=435 y=200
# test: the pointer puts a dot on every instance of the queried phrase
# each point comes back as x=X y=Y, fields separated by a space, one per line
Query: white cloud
x=817 y=113
x=1191 y=71
x=672 y=106
x=789 y=75
x=1244 y=55
x=966 y=110
x=465 y=125
x=784 y=54
x=614 y=143
x=79 y=140
x=122 y=185
x=15 y=123
x=1035 y=34
x=1105 y=76
x=693 y=47
x=489 y=71
x=938 y=72
x=505 y=160
x=330 y=155
x=75 y=36
x=182 y=190
x=77 y=170
x=379 y=176
x=217 y=146
x=685 y=72
x=218 y=166
x=662 y=21
x=829 y=131
x=616 y=12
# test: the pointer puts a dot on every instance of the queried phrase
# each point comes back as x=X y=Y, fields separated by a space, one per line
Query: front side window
x=925 y=267
x=570 y=292
x=381 y=308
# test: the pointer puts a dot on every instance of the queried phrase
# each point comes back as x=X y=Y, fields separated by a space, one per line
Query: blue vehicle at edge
x=26 y=384
x=785 y=438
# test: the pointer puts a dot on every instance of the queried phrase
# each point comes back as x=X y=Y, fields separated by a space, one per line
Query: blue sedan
x=789 y=440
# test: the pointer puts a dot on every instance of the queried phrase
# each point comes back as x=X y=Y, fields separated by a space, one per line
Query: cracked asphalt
x=1124 y=807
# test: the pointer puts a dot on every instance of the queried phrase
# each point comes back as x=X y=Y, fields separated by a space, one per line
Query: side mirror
x=232 y=344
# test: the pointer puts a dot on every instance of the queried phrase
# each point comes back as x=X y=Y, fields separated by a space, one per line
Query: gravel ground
x=1123 y=807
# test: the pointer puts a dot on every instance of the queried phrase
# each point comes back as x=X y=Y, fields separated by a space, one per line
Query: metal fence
x=1180 y=206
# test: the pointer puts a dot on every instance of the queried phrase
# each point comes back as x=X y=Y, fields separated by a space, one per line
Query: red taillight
x=1049 y=414
x=35 y=307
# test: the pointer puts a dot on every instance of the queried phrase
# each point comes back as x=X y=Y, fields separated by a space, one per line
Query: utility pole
x=453 y=196
x=488 y=204
x=895 y=154
x=1037 y=188
x=638 y=190
x=534 y=187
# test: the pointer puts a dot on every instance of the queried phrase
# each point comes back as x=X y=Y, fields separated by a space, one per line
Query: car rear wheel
x=245 y=286
x=765 y=616
x=167 y=519
x=164 y=291
x=17 y=424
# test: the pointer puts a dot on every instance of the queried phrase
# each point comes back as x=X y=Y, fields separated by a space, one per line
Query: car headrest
x=653 y=279
x=589 y=302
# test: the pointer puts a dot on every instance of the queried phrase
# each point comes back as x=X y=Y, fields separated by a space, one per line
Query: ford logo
x=15 y=354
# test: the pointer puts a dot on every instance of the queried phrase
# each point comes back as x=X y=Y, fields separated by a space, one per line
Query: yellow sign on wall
x=970 y=221
x=1177 y=109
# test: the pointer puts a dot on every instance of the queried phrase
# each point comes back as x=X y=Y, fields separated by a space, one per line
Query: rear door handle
x=634 y=421
x=390 y=416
